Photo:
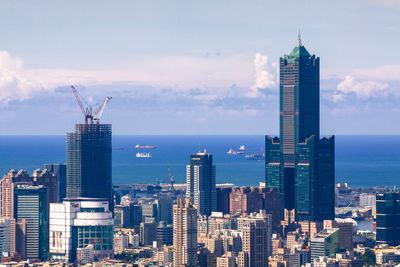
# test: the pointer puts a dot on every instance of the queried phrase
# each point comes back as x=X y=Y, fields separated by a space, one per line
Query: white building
x=85 y=255
x=367 y=200
x=77 y=223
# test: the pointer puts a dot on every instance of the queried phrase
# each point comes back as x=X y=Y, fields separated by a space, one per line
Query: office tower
x=121 y=216
x=200 y=183
x=135 y=215
x=272 y=206
x=345 y=232
x=256 y=230
x=164 y=208
x=245 y=200
x=185 y=234
x=49 y=181
x=165 y=233
x=300 y=164
x=89 y=162
x=77 y=223
x=59 y=170
x=20 y=235
x=5 y=235
x=149 y=210
x=223 y=199
x=325 y=243
x=388 y=218
x=148 y=231
x=30 y=203
x=7 y=190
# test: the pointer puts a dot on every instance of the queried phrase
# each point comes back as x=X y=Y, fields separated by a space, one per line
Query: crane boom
x=78 y=99
x=99 y=111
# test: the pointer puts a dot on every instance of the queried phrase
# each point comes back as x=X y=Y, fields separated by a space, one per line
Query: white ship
x=234 y=152
x=143 y=155
x=242 y=148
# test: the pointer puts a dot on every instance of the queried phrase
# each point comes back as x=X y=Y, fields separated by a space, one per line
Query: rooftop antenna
x=299 y=38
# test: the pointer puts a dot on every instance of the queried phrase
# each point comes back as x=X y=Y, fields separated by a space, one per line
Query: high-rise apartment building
x=256 y=238
x=89 y=162
x=30 y=204
x=388 y=218
x=200 y=183
x=185 y=234
x=299 y=163
x=78 y=223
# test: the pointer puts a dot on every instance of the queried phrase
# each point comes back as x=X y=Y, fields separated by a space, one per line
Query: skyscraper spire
x=299 y=38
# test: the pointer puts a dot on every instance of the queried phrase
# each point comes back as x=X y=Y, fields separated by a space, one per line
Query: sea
x=361 y=161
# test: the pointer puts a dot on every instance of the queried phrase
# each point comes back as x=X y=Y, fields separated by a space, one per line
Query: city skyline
x=200 y=68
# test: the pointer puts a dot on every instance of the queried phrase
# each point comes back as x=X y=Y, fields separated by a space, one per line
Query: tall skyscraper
x=200 y=183
x=388 y=218
x=89 y=162
x=185 y=234
x=30 y=203
x=256 y=243
x=299 y=163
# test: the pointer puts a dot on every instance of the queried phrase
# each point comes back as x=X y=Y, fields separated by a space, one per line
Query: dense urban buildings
x=185 y=233
x=89 y=162
x=200 y=183
x=388 y=218
x=299 y=163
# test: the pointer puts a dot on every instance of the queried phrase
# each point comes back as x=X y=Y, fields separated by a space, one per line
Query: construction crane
x=87 y=110
x=171 y=180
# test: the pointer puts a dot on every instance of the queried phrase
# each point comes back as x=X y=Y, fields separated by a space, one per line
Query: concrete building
x=200 y=183
x=325 y=243
x=185 y=234
x=367 y=200
x=77 y=223
x=122 y=216
x=244 y=200
x=85 y=255
x=256 y=230
x=121 y=242
x=226 y=260
x=345 y=232
x=148 y=232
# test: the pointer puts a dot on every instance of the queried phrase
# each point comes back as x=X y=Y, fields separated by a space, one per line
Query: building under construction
x=89 y=150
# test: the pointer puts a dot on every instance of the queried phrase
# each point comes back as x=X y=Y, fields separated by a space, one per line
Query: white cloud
x=380 y=73
x=265 y=74
x=13 y=83
x=361 y=88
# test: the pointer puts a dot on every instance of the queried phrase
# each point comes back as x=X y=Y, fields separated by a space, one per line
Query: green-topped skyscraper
x=299 y=163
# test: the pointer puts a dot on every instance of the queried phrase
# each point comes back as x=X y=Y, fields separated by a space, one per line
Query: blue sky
x=195 y=67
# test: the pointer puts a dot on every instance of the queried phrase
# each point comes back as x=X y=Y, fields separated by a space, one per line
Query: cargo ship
x=143 y=155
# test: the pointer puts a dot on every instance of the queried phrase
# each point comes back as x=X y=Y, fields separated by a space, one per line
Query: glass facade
x=299 y=163
x=30 y=203
x=89 y=162
x=388 y=218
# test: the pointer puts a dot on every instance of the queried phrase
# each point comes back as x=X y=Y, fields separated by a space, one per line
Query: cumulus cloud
x=265 y=74
x=13 y=83
x=360 y=88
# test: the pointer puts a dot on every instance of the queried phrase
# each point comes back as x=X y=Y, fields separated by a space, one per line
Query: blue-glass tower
x=299 y=163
